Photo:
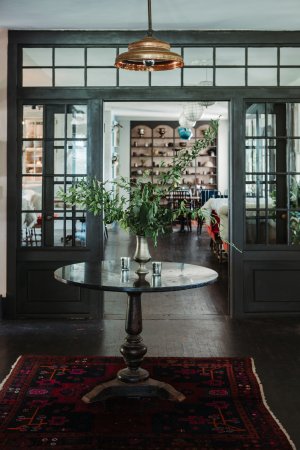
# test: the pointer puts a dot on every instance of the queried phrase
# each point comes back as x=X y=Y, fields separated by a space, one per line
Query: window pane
x=262 y=77
x=31 y=211
x=166 y=78
x=101 y=77
x=295 y=228
x=201 y=56
x=255 y=119
x=69 y=56
x=271 y=157
x=228 y=56
x=256 y=193
x=255 y=155
x=37 y=77
x=59 y=153
x=37 y=56
x=69 y=77
x=294 y=191
x=76 y=157
x=101 y=56
x=262 y=56
x=293 y=119
x=77 y=121
x=290 y=56
x=131 y=78
x=230 y=77
x=290 y=77
x=32 y=122
x=294 y=155
x=255 y=228
x=32 y=157
x=194 y=77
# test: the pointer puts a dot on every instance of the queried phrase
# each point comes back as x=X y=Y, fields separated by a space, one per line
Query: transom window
x=204 y=67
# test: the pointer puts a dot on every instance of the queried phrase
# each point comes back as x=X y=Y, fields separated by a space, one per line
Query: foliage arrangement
x=144 y=211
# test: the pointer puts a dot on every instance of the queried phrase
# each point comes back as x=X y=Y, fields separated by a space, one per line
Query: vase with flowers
x=144 y=210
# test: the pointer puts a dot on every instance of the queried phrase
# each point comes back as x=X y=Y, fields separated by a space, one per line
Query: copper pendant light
x=149 y=53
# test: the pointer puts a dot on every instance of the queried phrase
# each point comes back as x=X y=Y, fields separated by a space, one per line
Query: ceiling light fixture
x=149 y=53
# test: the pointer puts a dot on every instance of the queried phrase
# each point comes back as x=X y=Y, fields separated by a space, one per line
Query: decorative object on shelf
x=184 y=133
x=185 y=123
x=162 y=132
x=141 y=132
x=141 y=212
x=149 y=53
x=192 y=111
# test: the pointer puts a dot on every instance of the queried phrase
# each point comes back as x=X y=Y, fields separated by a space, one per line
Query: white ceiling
x=161 y=110
x=167 y=14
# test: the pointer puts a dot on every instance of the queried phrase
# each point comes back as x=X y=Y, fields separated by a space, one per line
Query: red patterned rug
x=41 y=407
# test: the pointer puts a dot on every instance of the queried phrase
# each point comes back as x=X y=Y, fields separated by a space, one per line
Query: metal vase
x=142 y=254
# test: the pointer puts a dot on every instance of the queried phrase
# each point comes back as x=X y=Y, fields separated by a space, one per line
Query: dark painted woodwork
x=237 y=96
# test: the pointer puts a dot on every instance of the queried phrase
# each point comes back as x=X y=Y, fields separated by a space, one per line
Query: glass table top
x=108 y=276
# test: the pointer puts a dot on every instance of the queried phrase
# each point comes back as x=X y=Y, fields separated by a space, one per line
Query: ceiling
x=161 y=110
x=167 y=14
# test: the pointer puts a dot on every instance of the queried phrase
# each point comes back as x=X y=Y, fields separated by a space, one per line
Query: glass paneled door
x=51 y=162
x=56 y=151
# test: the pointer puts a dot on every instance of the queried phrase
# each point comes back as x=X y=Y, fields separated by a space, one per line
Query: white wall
x=124 y=149
x=3 y=151
x=223 y=156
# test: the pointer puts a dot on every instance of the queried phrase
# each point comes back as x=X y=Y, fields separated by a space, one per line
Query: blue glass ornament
x=185 y=133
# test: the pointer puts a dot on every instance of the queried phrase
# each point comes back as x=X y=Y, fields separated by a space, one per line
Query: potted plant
x=144 y=211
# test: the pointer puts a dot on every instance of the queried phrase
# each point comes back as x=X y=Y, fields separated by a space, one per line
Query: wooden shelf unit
x=153 y=142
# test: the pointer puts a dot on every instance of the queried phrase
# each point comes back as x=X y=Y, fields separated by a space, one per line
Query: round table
x=134 y=381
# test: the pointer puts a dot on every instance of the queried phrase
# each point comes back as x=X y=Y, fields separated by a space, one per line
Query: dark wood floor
x=273 y=343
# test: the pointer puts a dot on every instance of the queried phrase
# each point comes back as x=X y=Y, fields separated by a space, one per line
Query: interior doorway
x=138 y=136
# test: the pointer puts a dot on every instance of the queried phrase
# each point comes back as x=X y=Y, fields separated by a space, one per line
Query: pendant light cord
x=150 y=31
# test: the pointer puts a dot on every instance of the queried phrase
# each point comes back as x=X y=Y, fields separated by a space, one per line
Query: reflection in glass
x=255 y=192
x=290 y=56
x=262 y=56
x=59 y=152
x=255 y=228
x=36 y=77
x=255 y=155
x=294 y=191
x=262 y=77
x=255 y=119
x=290 y=76
x=271 y=158
x=230 y=56
x=101 y=77
x=193 y=77
x=69 y=77
x=101 y=57
x=36 y=56
x=230 y=77
x=293 y=119
x=294 y=227
x=166 y=78
x=293 y=146
x=59 y=126
x=76 y=157
x=31 y=210
x=33 y=121
x=131 y=78
x=32 y=157
x=77 y=121
x=69 y=233
x=69 y=56
x=198 y=56
x=57 y=203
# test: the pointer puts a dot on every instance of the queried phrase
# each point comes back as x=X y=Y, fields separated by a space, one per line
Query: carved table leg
x=133 y=381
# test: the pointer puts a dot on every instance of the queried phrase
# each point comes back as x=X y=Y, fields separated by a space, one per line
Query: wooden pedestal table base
x=133 y=381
